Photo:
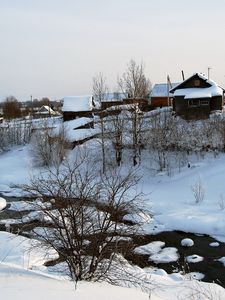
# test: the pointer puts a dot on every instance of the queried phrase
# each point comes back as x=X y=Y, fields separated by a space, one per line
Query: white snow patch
x=2 y=203
x=214 y=244
x=166 y=255
x=194 y=258
x=187 y=242
x=195 y=275
x=151 y=248
x=222 y=260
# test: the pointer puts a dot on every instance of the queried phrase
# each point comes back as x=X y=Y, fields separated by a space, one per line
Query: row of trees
x=134 y=83
x=12 y=108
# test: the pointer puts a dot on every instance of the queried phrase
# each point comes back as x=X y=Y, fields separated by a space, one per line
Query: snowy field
x=170 y=198
x=173 y=206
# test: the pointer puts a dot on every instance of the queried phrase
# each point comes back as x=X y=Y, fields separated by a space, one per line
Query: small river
x=213 y=270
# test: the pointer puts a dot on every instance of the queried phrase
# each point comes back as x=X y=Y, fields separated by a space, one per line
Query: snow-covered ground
x=170 y=200
x=23 y=277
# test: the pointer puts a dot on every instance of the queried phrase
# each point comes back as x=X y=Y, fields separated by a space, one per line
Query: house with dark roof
x=196 y=97
x=160 y=95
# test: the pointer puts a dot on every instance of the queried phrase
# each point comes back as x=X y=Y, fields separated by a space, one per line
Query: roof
x=116 y=96
x=198 y=92
x=73 y=124
x=77 y=103
x=161 y=89
x=45 y=109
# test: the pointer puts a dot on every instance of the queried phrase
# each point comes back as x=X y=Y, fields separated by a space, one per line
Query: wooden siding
x=184 y=108
x=161 y=101
x=71 y=115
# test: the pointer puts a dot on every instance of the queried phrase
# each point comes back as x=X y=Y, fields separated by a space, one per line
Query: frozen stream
x=201 y=258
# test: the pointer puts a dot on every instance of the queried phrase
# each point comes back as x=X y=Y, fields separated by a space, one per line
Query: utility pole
x=32 y=109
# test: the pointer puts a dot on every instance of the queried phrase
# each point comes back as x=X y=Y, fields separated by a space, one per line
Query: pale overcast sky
x=54 y=48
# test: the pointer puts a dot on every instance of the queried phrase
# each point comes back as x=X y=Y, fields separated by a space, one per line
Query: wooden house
x=196 y=97
x=160 y=95
x=77 y=107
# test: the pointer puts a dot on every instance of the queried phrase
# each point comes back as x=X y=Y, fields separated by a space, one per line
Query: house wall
x=216 y=103
x=183 y=109
x=160 y=101
x=71 y=115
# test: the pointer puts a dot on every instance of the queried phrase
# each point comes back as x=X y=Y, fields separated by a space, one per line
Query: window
x=204 y=102
x=196 y=82
x=193 y=103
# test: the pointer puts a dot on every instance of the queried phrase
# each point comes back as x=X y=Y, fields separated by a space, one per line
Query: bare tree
x=100 y=90
x=134 y=81
x=11 y=108
x=48 y=148
x=137 y=86
x=82 y=212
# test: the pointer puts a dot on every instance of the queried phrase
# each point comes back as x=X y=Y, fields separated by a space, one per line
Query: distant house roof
x=198 y=92
x=161 y=89
x=77 y=103
x=115 y=96
x=45 y=110
x=111 y=97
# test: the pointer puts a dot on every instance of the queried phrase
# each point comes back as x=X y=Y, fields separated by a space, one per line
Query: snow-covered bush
x=198 y=191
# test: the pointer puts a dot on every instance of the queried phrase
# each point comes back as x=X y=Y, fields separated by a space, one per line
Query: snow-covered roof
x=161 y=89
x=197 y=92
x=116 y=96
x=45 y=109
x=73 y=124
x=77 y=103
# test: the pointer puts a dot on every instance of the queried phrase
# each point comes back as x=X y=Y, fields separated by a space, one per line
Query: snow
x=151 y=248
x=15 y=167
x=222 y=260
x=2 y=203
x=214 y=244
x=196 y=275
x=157 y=253
x=187 y=242
x=194 y=258
x=107 y=97
x=166 y=255
x=21 y=252
x=23 y=276
x=77 y=103
x=193 y=93
x=73 y=124
x=173 y=205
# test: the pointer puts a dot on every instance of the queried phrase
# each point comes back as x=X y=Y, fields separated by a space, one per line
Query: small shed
x=77 y=107
x=160 y=95
x=196 y=97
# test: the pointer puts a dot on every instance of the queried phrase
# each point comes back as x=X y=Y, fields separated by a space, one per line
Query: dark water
x=213 y=270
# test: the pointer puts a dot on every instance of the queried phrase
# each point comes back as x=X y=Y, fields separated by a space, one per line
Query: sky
x=54 y=48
